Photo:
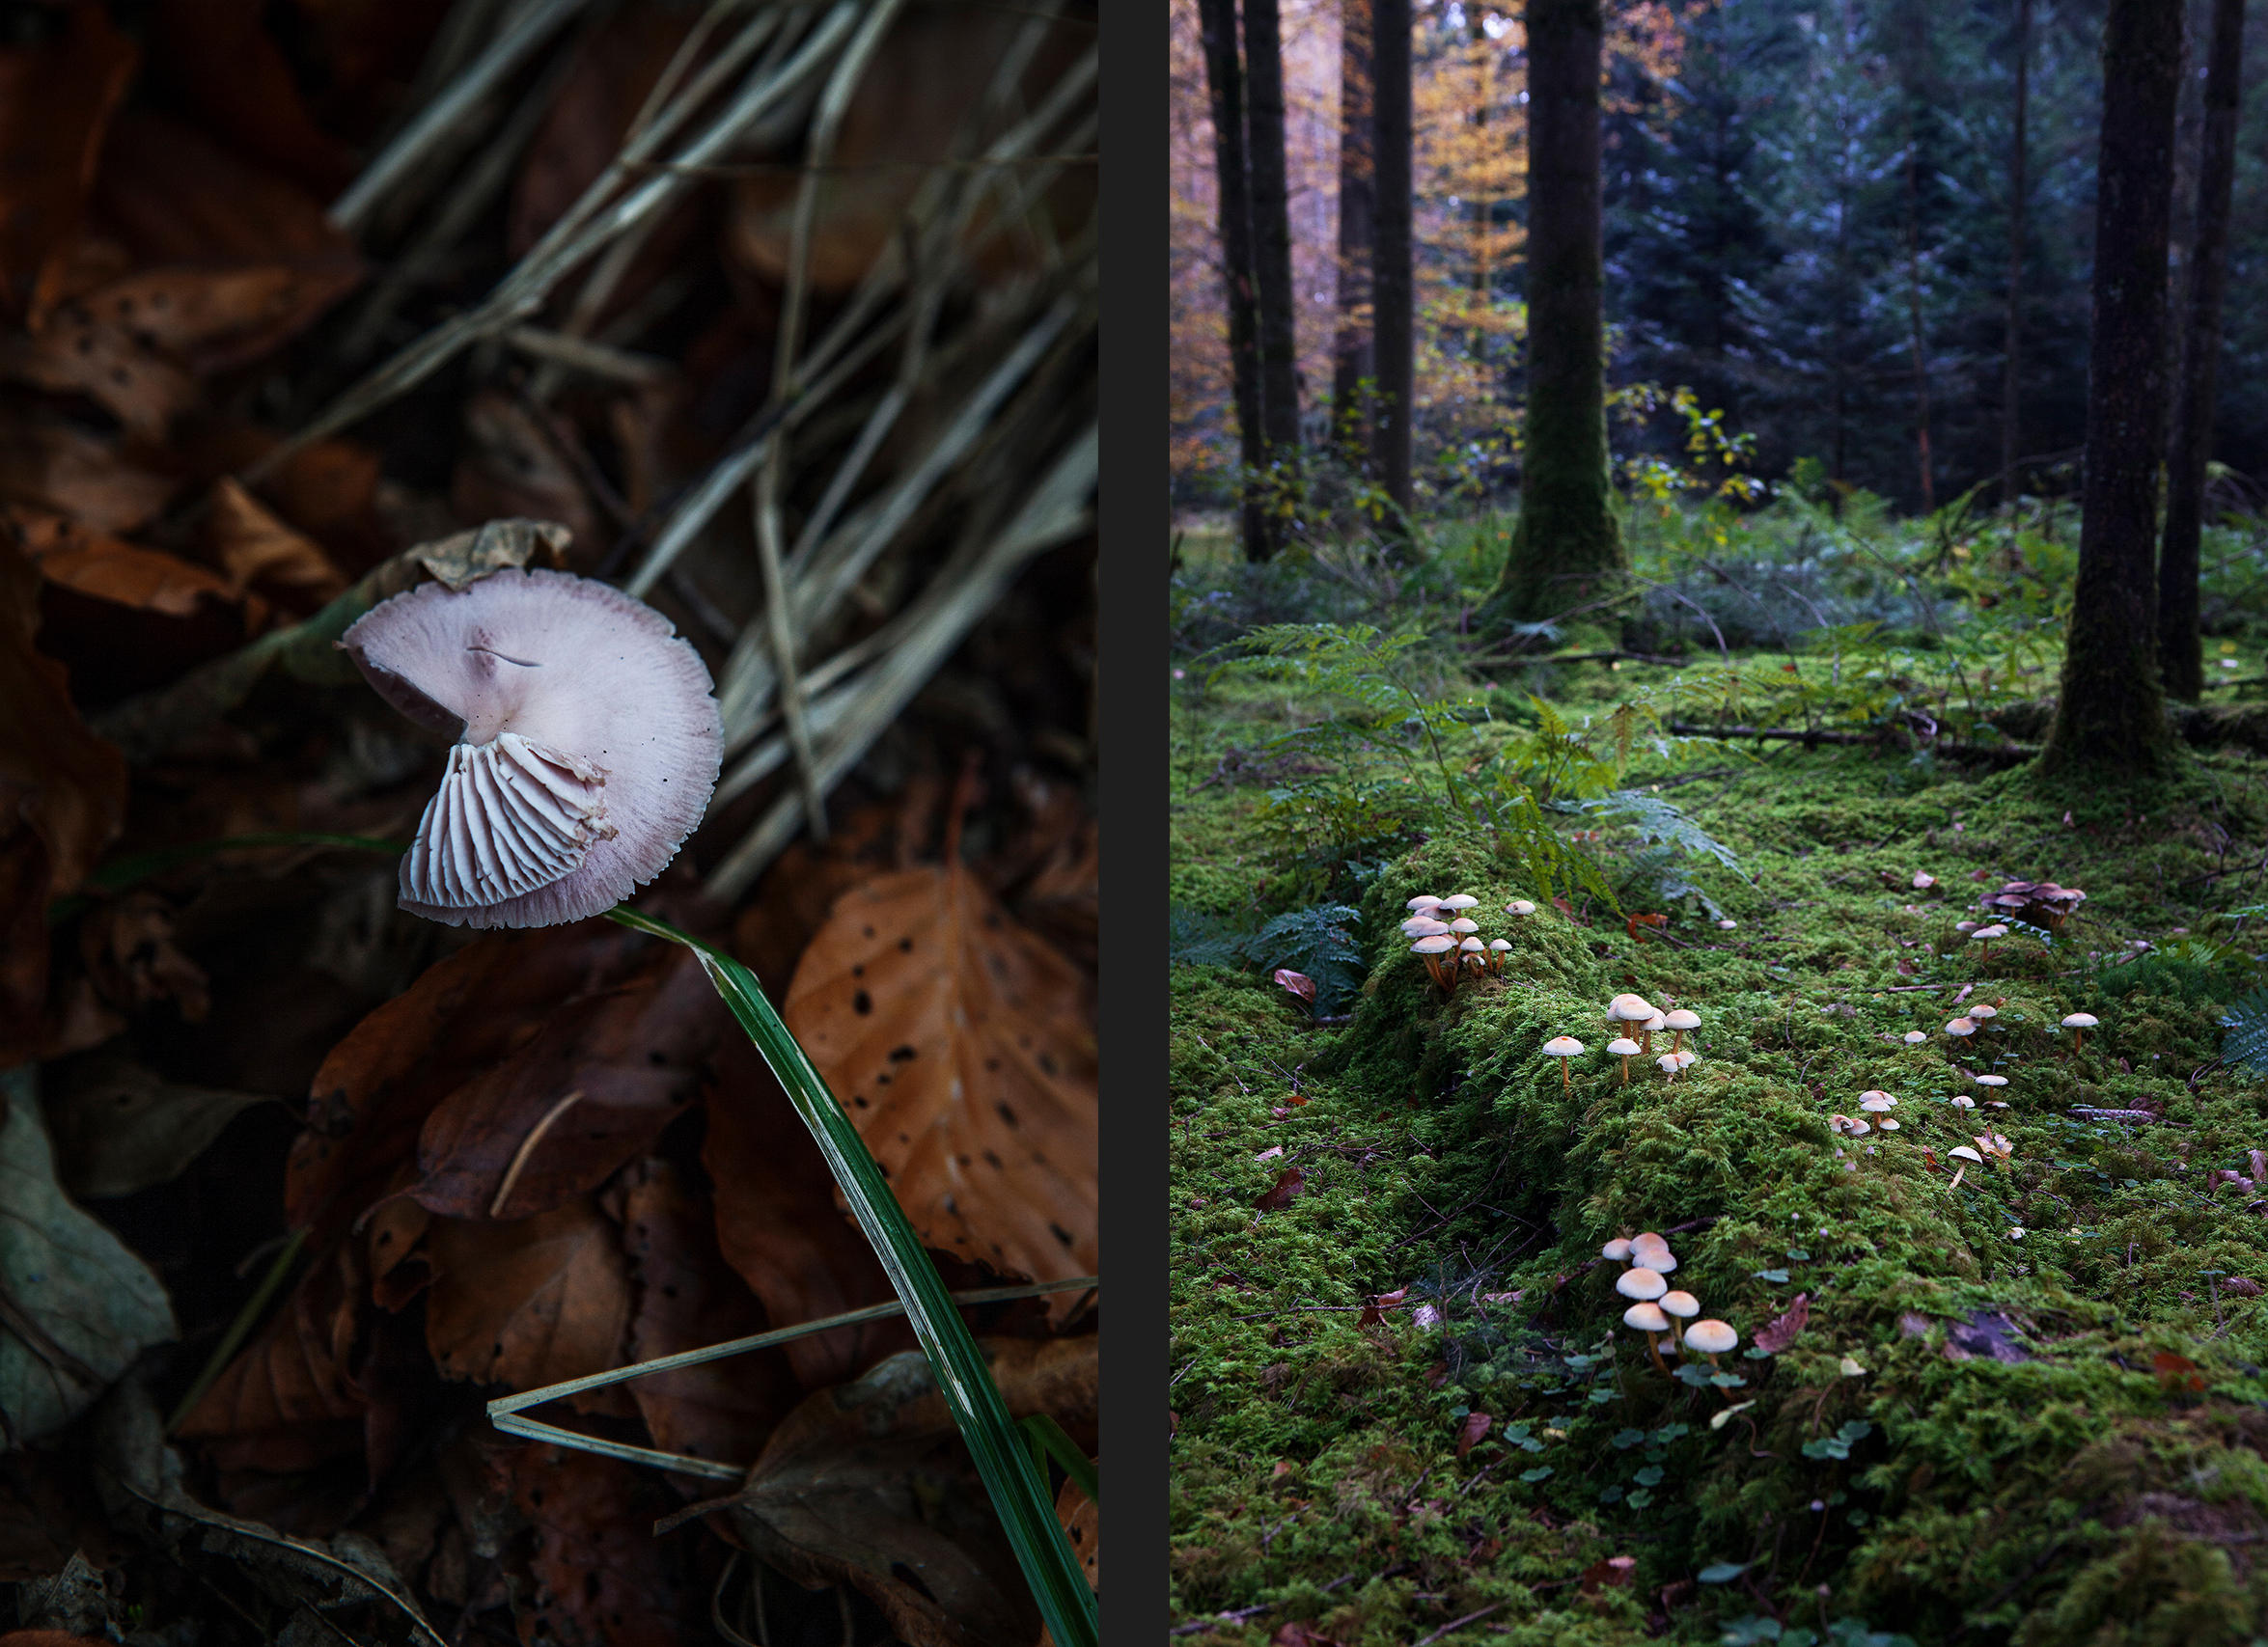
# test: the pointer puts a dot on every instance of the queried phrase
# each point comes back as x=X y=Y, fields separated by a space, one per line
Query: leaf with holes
x=963 y=1049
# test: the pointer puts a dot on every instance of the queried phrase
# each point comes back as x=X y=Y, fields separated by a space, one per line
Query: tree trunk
x=1918 y=344
x=2179 y=658
x=1224 y=75
x=2110 y=716
x=1271 y=235
x=1566 y=549
x=1394 y=325
x=2011 y=354
x=1353 y=357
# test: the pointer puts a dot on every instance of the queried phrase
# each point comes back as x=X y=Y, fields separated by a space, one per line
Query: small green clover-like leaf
x=1536 y=1474
x=1775 y=1277
x=1639 y=1499
x=1668 y=1433
x=1799 y=1254
x=1723 y=1572
x=1698 y=1377
x=1650 y=1476
x=1600 y=1397
x=1729 y=1381
x=1623 y=1441
x=1751 y=1630
x=1827 y=1447
x=1610 y=1495
x=1855 y=1429
x=1528 y=1443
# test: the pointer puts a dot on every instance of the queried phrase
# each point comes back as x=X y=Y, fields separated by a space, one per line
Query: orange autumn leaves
x=445 y=1178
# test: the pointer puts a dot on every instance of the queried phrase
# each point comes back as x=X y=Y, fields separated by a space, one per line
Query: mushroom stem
x=1626 y=1072
x=1654 y=1348
x=1677 y=1041
x=2077 y=1040
x=1563 y=1081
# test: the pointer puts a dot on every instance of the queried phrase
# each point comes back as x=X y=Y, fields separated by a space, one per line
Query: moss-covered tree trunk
x=1352 y=359
x=1393 y=279
x=1566 y=549
x=2112 y=713
x=2179 y=659
x=1224 y=75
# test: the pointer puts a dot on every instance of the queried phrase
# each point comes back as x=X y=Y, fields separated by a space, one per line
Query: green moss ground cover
x=1976 y=1436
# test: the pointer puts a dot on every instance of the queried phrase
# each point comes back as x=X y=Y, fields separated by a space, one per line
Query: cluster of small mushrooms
x=1447 y=939
x=1656 y=1308
x=1633 y=1013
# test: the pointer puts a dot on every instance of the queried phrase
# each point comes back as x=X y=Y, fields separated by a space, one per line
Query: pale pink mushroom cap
x=1711 y=1337
x=588 y=743
x=1644 y=1317
x=1682 y=1305
x=1640 y=1283
x=1617 y=1250
x=1460 y=901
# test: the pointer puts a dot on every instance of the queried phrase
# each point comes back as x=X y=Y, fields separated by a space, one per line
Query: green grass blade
x=1019 y=1491
x=1049 y=1437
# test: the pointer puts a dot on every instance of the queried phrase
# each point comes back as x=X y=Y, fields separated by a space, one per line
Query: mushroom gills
x=511 y=818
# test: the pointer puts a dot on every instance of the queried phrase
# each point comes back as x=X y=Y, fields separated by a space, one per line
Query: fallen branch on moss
x=1955 y=748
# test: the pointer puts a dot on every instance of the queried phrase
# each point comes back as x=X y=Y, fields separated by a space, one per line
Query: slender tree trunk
x=1271 y=235
x=1914 y=313
x=2110 y=716
x=1567 y=548
x=1393 y=276
x=1353 y=357
x=2179 y=657
x=1224 y=75
x=2011 y=354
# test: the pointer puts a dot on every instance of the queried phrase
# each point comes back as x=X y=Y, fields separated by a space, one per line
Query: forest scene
x=1719 y=817
x=548 y=844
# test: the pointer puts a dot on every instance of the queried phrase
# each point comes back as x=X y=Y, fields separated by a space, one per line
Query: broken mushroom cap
x=1681 y=1019
x=1668 y=1063
x=2080 y=1021
x=1617 y=1250
x=1641 y=1282
x=588 y=742
x=1686 y=1057
x=1460 y=901
x=1684 y=1306
x=1961 y=1027
x=1520 y=907
x=1914 y=1037
x=1622 y=1047
x=1562 y=1047
x=1645 y=1317
x=1964 y=1153
x=1850 y=1126
x=1711 y=1337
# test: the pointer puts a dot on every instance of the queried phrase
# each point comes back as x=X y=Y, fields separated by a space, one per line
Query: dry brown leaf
x=56 y=98
x=688 y=1298
x=530 y=1302
x=58 y=467
x=256 y=549
x=869 y=1484
x=287 y=1401
x=962 y=1047
x=1783 y=1331
x=62 y=801
x=778 y=1224
x=601 y=1577
x=107 y=568
x=120 y=1128
x=73 y=353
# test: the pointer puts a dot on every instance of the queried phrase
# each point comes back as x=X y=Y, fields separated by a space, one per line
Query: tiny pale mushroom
x=1889 y=1125
x=1464 y=924
x=1712 y=1339
x=1667 y=1064
x=1965 y=928
x=1914 y=1037
x=1563 y=1048
x=1649 y=1319
x=1962 y=1101
x=1432 y=948
x=1617 y=1251
x=1646 y=1030
x=1498 y=949
x=1625 y=1049
x=1679 y=1306
x=1680 y=1021
x=1726 y=925
x=1962 y=1152
x=1520 y=907
x=1649 y=1249
x=1992 y=1081
x=1460 y=901
x=1850 y=1126
x=2079 y=1024
x=1923 y=881
x=1641 y=1282
x=1984 y=1013
x=1423 y=901
x=1961 y=1027
x=1687 y=1058
x=1877 y=1104
x=1984 y=935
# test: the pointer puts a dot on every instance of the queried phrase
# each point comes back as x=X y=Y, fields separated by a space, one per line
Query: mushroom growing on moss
x=1650 y=1320
x=1712 y=1339
x=1617 y=1250
x=1625 y=1049
x=1668 y=1066
x=1563 y=1048
x=1651 y=1249
x=1984 y=936
x=1680 y=1021
x=1679 y=1306
x=1984 y=1012
x=2079 y=1024
x=1520 y=907
x=1640 y=1281
x=588 y=743
x=1422 y=902
x=1914 y=1037
x=1498 y=949
x=1430 y=950
x=1961 y=1027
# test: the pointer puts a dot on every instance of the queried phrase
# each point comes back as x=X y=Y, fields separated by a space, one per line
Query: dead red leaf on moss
x=1783 y=1331
x=1297 y=983
x=1470 y=1434
x=1288 y=1186
x=2178 y=1374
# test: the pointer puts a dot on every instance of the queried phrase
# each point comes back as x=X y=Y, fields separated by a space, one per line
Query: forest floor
x=2020 y=1398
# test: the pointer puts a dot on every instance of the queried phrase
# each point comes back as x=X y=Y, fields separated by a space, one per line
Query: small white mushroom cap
x=589 y=742
x=1622 y=1047
x=1520 y=907
x=1877 y=1103
x=1502 y=946
x=1914 y=1037
x=1681 y=1019
x=2081 y=1021
x=1962 y=1101
x=1641 y=1282
x=1711 y=1337
x=1668 y=1063
x=1992 y=1081
x=1425 y=926
x=1984 y=1013
x=1681 y=1304
x=1464 y=925
x=1685 y=1057
x=1889 y=1125
x=1988 y=933
x=1617 y=1249
x=1423 y=901
x=1850 y=1126
x=1923 y=880
x=1964 y=927
x=1459 y=900
x=1653 y=1022
x=1651 y=1250
x=1630 y=1008
x=1726 y=925
x=1471 y=945
x=1436 y=944
x=1562 y=1047
x=1961 y=1027
x=1644 y=1317
x=1964 y=1153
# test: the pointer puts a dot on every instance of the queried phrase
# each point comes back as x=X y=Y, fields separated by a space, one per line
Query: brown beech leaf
x=58 y=467
x=778 y=1224
x=108 y=569
x=869 y=1484
x=1776 y=1335
x=1290 y=1184
x=257 y=550
x=287 y=1401
x=688 y=1298
x=634 y=1054
x=1476 y=1426
x=533 y=1301
x=601 y=1578
x=62 y=800
x=965 y=1050
x=56 y=98
x=72 y=352
x=1297 y=983
x=466 y=1014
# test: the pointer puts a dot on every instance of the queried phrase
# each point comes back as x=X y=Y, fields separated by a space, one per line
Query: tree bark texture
x=2110 y=716
x=2180 y=661
x=1271 y=237
x=1393 y=329
x=1566 y=549
x=2012 y=352
x=1353 y=357
x=1224 y=75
